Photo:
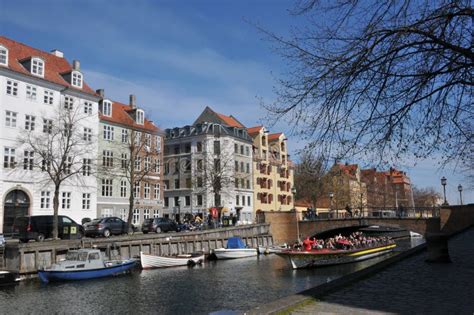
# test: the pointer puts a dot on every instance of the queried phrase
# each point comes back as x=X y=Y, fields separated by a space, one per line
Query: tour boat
x=236 y=248
x=324 y=257
x=153 y=261
x=85 y=264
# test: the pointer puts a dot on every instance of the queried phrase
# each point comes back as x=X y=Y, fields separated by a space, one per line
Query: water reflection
x=216 y=285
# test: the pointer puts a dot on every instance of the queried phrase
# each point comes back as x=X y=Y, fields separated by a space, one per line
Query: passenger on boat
x=308 y=243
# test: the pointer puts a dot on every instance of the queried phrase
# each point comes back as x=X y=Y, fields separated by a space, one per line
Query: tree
x=308 y=179
x=383 y=79
x=60 y=151
x=426 y=197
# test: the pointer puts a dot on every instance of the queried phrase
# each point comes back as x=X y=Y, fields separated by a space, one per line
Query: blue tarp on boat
x=235 y=242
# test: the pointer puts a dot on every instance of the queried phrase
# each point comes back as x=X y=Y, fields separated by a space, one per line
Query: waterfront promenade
x=411 y=286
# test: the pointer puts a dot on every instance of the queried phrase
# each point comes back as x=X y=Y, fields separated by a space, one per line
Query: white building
x=34 y=87
x=216 y=148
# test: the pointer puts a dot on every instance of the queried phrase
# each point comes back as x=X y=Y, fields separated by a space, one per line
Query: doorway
x=17 y=204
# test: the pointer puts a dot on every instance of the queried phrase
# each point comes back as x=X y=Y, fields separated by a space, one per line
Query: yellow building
x=272 y=171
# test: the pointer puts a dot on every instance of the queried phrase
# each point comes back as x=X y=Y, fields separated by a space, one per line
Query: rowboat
x=153 y=261
x=326 y=257
x=84 y=264
x=235 y=248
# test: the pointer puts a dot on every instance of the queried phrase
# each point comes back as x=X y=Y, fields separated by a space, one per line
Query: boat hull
x=8 y=278
x=59 y=275
x=152 y=261
x=315 y=258
x=234 y=253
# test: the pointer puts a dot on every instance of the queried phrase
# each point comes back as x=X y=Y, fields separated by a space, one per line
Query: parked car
x=159 y=225
x=40 y=227
x=106 y=227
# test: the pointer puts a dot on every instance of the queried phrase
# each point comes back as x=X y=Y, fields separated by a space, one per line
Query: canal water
x=238 y=284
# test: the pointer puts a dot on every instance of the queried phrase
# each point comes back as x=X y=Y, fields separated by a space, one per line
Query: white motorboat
x=236 y=248
x=271 y=249
x=153 y=261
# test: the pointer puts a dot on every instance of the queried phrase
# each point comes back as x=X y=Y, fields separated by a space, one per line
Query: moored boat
x=8 y=277
x=235 y=248
x=153 y=261
x=85 y=264
x=325 y=257
x=266 y=250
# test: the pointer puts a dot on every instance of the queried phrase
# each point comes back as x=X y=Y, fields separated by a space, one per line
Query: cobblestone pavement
x=411 y=286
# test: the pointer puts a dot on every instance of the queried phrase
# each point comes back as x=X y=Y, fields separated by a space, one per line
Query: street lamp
x=460 y=193
x=293 y=191
x=331 y=195
x=443 y=182
x=179 y=211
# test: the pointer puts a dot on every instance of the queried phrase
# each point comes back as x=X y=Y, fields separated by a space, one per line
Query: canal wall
x=29 y=257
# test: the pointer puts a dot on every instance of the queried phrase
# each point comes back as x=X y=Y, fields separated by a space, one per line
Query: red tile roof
x=254 y=130
x=230 y=121
x=274 y=136
x=120 y=116
x=53 y=66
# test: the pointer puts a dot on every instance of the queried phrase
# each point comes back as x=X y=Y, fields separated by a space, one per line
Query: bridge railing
x=373 y=212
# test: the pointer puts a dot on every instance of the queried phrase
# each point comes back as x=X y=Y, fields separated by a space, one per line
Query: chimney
x=133 y=101
x=76 y=65
x=57 y=53
x=101 y=92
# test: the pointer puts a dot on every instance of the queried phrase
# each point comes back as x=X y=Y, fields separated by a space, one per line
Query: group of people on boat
x=353 y=241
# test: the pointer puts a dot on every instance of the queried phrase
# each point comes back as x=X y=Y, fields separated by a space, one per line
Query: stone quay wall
x=29 y=257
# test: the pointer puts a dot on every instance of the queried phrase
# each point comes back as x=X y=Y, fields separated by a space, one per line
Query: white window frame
x=48 y=97
x=106 y=108
x=146 y=213
x=156 y=213
x=66 y=200
x=138 y=164
x=88 y=108
x=136 y=216
x=136 y=190
x=108 y=133
x=86 y=201
x=86 y=167
x=158 y=144
x=45 y=200
x=87 y=134
x=30 y=122
x=157 y=166
x=28 y=160
x=140 y=117
x=47 y=125
x=107 y=158
x=10 y=118
x=31 y=92
x=76 y=79
x=146 y=190
x=3 y=55
x=68 y=102
x=147 y=164
x=124 y=135
x=12 y=88
x=107 y=187
x=157 y=192
x=123 y=188
x=37 y=66
x=123 y=214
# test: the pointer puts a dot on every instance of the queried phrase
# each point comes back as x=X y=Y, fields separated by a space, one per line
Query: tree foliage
x=308 y=177
x=426 y=197
x=382 y=79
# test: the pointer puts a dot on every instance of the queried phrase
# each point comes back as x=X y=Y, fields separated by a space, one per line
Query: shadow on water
x=239 y=284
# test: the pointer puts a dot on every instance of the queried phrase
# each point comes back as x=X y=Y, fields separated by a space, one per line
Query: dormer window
x=140 y=117
x=76 y=79
x=3 y=56
x=106 y=108
x=37 y=67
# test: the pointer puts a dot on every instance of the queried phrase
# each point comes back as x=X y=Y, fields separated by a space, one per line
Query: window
x=167 y=202
x=28 y=160
x=66 y=200
x=176 y=183
x=86 y=201
x=45 y=199
x=86 y=167
x=47 y=126
x=106 y=108
x=68 y=102
x=107 y=158
x=177 y=202
x=88 y=108
x=123 y=214
x=243 y=200
x=248 y=168
x=10 y=119
x=37 y=67
x=3 y=56
x=140 y=117
x=199 y=146
x=146 y=214
x=136 y=190
x=217 y=147
x=138 y=164
x=45 y=165
x=187 y=201
x=199 y=200
x=136 y=216
x=166 y=184
x=87 y=134
x=158 y=144
x=124 y=160
x=157 y=166
x=247 y=151
x=108 y=133
x=236 y=148
x=148 y=140
x=248 y=184
x=242 y=149
x=138 y=138
x=199 y=165
x=237 y=200
x=199 y=182
x=76 y=79
x=236 y=183
x=31 y=92
x=9 y=158
x=188 y=182
x=30 y=122
x=68 y=165
x=12 y=88
x=248 y=201
x=124 y=135
x=48 y=97
x=146 y=190
x=107 y=187
x=123 y=188
x=156 y=213
x=217 y=165
x=242 y=183
x=157 y=192
x=106 y=213
x=236 y=166
x=147 y=163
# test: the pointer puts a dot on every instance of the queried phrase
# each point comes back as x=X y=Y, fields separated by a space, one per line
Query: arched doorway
x=16 y=204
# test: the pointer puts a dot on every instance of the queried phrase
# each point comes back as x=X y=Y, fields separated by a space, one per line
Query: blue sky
x=177 y=57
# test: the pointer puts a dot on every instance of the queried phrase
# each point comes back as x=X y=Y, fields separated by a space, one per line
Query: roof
x=208 y=115
x=274 y=136
x=53 y=66
x=120 y=116
x=230 y=121
x=349 y=169
x=254 y=130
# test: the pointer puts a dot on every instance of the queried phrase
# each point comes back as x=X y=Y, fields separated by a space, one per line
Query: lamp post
x=361 y=205
x=331 y=195
x=460 y=193
x=443 y=182
x=179 y=211
x=293 y=191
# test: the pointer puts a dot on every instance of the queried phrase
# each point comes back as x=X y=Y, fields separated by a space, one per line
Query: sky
x=179 y=56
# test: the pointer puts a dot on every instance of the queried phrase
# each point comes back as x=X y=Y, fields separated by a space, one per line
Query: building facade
x=272 y=171
x=130 y=158
x=209 y=165
x=37 y=90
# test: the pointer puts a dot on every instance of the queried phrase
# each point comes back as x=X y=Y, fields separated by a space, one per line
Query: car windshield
x=96 y=221
x=78 y=256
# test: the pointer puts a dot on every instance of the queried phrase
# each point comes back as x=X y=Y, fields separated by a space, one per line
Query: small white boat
x=266 y=250
x=236 y=248
x=153 y=261
x=414 y=234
